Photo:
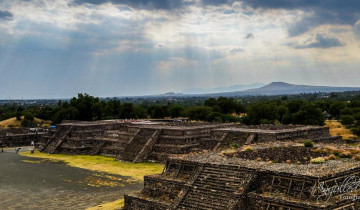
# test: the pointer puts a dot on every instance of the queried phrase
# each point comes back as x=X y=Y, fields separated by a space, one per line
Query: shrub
x=347 y=120
x=28 y=116
x=356 y=131
x=317 y=160
x=357 y=116
x=265 y=121
x=332 y=157
x=337 y=153
x=308 y=143
x=234 y=145
x=229 y=118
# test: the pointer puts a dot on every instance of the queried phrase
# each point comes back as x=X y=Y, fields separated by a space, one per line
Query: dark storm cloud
x=321 y=41
x=324 y=12
x=146 y=4
x=156 y=4
x=5 y=15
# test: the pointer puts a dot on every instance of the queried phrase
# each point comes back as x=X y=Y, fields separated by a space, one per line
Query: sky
x=58 y=48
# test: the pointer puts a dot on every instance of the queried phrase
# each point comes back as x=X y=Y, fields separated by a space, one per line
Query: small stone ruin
x=17 y=137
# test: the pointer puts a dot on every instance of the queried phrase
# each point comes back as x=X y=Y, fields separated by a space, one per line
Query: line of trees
x=308 y=110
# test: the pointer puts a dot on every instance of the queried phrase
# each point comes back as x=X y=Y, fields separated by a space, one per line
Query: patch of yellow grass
x=32 y=161
x=103 y=164
x=337 y=129
x=12 y=122
x=109 y=206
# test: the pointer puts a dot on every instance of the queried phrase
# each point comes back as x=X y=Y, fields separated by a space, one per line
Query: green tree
x=347 y=120
x=29 y=116
x=28 y=119
x=175 y=110
x=127 y=111
x=140 y=113
x=84 y=104
x=336 y=107
x=198 y=112
x=214 y=117
x=294 y=106
x=346 y=111
x=211 y=102
x=309 y=115
x=262 y=111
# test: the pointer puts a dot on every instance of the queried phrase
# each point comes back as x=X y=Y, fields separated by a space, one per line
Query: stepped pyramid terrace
x=260 y=177
x=146 y=140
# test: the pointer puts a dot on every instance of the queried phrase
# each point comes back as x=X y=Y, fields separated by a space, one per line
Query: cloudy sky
x=58 y=48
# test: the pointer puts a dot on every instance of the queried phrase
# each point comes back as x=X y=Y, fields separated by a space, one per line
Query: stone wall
x=19 y=140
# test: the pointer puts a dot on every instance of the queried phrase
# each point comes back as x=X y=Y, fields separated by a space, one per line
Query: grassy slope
x=15 y=123
x=337 y=129
x=104 y=164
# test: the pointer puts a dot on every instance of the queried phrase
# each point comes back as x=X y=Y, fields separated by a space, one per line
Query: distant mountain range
x=274 y=88
x=222 y=89
x=282 y=88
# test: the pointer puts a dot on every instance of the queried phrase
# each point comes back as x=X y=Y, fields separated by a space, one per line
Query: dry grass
x=103 y=164
x=12 y=122
x=337 y=129
x=109 y=206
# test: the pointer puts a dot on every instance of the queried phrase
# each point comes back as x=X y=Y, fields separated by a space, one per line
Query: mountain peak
x=279 y=84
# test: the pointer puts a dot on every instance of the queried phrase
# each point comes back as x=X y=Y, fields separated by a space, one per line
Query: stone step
x=116 y=140
x=216 y=188
x=224 y=174
x=213 y=182
x=195 y=136
x=210 y=193
x=198 y=203
x=80 y=139
x=75 y=147
x=159 y=156
x=199 y=206
x=113 y=148
x=177 y=141
x=175 y=149
x=222 y=179
x=119 y=132
x=206 y=199
x=209 y=139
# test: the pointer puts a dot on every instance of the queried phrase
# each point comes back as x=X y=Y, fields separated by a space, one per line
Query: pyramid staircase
x=217 y=188
x=56 y=140
x=113 y=142
x=140 y=146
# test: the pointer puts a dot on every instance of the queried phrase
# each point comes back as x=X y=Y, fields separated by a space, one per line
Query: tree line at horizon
x=261 y=110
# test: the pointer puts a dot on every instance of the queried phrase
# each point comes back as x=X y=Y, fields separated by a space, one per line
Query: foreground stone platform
x=145 y=140
x=225 y=181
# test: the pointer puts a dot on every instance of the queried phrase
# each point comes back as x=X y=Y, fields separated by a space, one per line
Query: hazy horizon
x=106 y=48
